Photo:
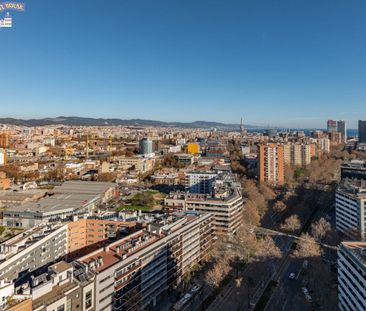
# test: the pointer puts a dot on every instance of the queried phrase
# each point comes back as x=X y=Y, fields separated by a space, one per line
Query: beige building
x=297 y=154
x=138 y=163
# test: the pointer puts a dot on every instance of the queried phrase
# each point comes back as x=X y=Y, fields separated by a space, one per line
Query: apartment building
x=322 y=145
x=271 y=164
x=3 y=157
x=361 y=131
x=4 y=140
x=200 y=181
x=63 y=286
x=225 y=203
x=135 y=271
x=331 y=126
x=352 y=276
x=138 y=163
x=87 y=233
x=31 y=250
x=350 y=208
x=342 y=128
x=354 y=169
x=297 y=154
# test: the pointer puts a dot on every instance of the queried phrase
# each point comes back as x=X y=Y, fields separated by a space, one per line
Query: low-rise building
x=71 y=199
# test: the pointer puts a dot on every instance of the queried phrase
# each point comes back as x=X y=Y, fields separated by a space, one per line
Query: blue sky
x=274 y=62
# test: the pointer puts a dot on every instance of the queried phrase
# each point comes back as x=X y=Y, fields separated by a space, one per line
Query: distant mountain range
x=76 y=121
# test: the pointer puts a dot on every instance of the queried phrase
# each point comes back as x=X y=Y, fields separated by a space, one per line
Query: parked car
x=195 y=289
x=291 y=276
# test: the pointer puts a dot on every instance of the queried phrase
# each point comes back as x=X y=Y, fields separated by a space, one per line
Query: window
x=88 y=299
x=69 y=305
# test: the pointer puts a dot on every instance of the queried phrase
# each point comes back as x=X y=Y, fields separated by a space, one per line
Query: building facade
x=352 y=276
x=271 y=164
x=135 y=271
x=354 y=169
x=350 y=209
x=200 y=182
x=297 y=154
x=331 y=126
x=361 y=131
x=35 y=248
x=342 y=128
x=146 y=146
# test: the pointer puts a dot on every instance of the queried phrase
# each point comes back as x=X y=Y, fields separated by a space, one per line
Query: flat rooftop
x=55 y=202
x=26 y=239
x=83 y=187
x=358 y=249
x=56 y=294
x=353 y=187
x=108 y=256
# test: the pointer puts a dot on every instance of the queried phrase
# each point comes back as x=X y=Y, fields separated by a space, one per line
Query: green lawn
x=144 y=208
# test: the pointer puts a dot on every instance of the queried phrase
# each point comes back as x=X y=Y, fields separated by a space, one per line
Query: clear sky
x=274 y=62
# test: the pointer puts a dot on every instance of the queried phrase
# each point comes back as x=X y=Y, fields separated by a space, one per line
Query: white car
x=195 y=289
x=291 y=276
x=305 y=291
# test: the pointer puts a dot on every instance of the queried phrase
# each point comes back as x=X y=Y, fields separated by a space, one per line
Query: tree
x=244 y=244
x=267 y=249
x=251 y=191
x=320 y=229
x=307 y=247
x=217 y=273
x=291 y=223
x=279 y=206
x=250 y=214
x=267 y=192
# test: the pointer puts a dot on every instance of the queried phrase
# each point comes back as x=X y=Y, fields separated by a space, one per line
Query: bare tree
x=250 y=214
x=279 y=206
x=307 y=246
x=320 y=229
x=244 y=244
x=217 y=273
x=267 y=249
x=291 y=223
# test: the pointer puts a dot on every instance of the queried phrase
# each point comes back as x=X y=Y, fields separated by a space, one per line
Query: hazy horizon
x=186 y=61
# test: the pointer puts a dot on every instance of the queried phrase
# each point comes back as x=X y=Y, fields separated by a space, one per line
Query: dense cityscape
x=182 y=155
x=158 y=218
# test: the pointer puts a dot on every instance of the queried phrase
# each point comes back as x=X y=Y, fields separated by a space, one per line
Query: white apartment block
x=352 y=276
x=350 y=209
x=200 y=182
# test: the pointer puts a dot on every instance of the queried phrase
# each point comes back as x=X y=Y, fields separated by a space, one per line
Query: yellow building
x=193 y=148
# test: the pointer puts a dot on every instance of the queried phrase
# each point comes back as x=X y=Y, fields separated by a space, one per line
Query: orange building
x=5 y=183
x=193 y=148
x=87 y=232
x=4 y=140
x=271 y=164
